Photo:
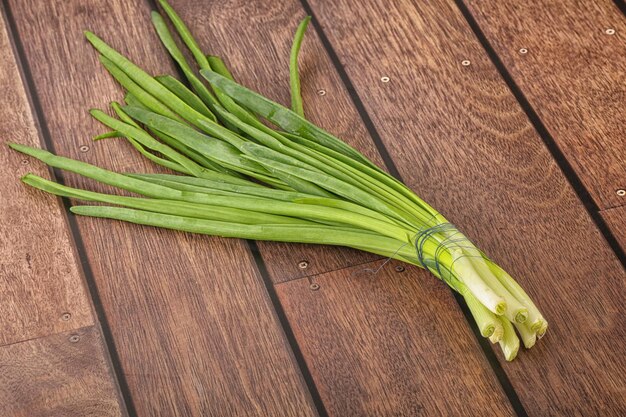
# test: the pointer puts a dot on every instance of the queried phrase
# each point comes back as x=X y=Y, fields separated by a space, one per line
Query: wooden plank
x=573 y=75
x=255 y=51
x=389 y=344
x=460 y=139
x=39 y=276
x=194 y=328
x=65 y=374
x=616 y=220
x=259 y=57
x=44 y=299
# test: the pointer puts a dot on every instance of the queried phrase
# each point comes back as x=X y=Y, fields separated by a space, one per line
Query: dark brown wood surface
x=44 y=301
x=462 y=141
x=194 y=328
x=616 y=220
x=65 y=374
x=190 y=316
x=391 y=343
x=39 y=276
x=574 y=76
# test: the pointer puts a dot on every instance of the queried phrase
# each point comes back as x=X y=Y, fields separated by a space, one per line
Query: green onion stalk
x=247 y=167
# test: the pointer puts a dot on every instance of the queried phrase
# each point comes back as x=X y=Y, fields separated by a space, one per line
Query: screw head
x=610 y=31
x=321 y=92
x=66 y=316
x=385 y=79
x=465 y=62
x=84 y=148
x=74 y=338
x=621 y=192
x=314 y=287
x=523 y=51
x=303 y=265
x=399 y=268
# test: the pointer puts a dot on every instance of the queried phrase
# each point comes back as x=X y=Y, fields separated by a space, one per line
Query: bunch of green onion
x=238 y=177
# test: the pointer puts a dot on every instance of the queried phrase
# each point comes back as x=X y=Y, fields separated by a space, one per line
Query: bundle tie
x=453 y=239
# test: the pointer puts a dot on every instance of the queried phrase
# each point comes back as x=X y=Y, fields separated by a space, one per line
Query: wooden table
x=506 y=116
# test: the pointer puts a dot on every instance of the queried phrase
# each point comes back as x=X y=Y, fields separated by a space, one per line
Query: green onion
x=294 y=76
x=217 y=64
x=293 y=181
x=184 y=94
x=509 y=343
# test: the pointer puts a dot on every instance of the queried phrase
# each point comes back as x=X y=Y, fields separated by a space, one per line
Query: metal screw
x=84 y=148
x=303 y=265
x=314 y=287
x=321 y=92
x=399 y=268
x=384 y=79
x=523 y=51
x=66 y=316
x=74 y=338
x=610 y=31
x=465 y=63
x=621 y=193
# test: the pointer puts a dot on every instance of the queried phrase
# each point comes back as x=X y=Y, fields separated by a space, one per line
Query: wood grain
x=39 y=276
x=574 y=76
x=65 y=374
x=258 y=55
x=461 y=140
x=194 y=328
x=389 y=344
x=616 y=220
